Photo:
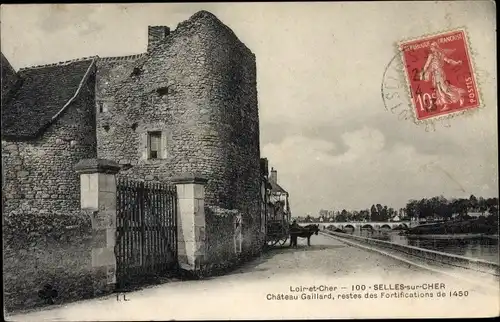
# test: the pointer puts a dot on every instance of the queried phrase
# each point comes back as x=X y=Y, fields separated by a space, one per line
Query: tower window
x=162 y=91
x=154 y=145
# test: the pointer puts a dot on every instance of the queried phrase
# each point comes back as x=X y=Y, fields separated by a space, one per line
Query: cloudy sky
x=320 y=70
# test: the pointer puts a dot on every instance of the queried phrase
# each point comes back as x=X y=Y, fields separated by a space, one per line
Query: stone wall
x=198 y=88
x=44 y=231
x=39 y=174
x=220 y=243
x=46 y=249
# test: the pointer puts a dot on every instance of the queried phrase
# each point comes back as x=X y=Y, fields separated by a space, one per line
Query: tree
x=473 y=203
x=384 y=214
x=492 y=204
x=391 y=213
x=356 y=215
x=366 y=215
x=342 y=217
x=482 y=206
x=422 y=209
x=443 y=208
x=379 y=210
x=412 y=209
x=373 y=213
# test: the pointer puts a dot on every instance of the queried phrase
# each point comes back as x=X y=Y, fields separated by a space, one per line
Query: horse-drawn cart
x=278 y=231
x=278 y=224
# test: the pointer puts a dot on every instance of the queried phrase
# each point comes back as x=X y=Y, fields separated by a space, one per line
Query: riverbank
x=477 y=266
x=469 y=245
x=481 y=226
x=451 y=236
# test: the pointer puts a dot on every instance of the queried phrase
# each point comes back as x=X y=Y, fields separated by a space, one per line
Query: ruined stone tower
x=187 y=105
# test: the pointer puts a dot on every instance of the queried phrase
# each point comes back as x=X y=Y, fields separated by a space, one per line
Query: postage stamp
x=440 y=75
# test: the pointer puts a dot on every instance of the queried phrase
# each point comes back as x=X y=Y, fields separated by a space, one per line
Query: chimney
x=274 y=176
x=156 y=34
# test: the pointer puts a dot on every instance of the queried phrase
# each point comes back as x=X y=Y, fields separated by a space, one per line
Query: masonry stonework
x=197 y=88
x=46 y=236
x=39 y=174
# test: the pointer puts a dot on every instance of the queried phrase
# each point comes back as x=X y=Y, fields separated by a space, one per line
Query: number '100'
x=425 y=101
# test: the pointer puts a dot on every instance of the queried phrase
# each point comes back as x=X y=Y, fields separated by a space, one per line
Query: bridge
x=374 y=225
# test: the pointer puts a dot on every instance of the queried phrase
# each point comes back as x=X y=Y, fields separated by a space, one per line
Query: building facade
x=279 y=205
x=188 y=105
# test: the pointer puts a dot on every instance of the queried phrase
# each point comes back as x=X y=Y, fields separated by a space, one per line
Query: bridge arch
x=367 y=226
x=349 y=226
x=386 y=226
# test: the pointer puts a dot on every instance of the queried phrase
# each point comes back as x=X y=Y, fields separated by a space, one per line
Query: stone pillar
x=98 y=199
x=190 y=221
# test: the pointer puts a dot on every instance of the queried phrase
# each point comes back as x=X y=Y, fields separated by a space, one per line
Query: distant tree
x=492 y=204
x=365 y=215
x=384 y=214
x=482 y=206
x=391 y=213
x=443 y=208
x=356 y=215
x=379 y=211
x=411 y=209
x=473 y=203
x=342 y=217
x=373 y=213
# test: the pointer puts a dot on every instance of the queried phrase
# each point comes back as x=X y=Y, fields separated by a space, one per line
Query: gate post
x=190 y=221
x=98 y=199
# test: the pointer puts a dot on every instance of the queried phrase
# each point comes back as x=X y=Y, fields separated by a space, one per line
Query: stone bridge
x=364 y=225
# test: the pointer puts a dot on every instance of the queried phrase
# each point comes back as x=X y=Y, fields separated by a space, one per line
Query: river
x=473 y=247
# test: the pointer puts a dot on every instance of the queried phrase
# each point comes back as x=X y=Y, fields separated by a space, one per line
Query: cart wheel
x=283 y=241
x=271 y=242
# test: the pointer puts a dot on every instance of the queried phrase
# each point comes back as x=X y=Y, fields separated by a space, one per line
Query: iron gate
x=146 y=243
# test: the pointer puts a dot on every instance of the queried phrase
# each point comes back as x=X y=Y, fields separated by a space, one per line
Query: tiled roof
x=275 y=187
x=8 y=76
x=43 y=93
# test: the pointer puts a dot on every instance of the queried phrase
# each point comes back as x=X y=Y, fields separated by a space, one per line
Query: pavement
x=350 y=282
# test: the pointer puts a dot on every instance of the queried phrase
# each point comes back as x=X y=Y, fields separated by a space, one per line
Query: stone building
x=278 y=198
x=188 y=104
x=48 y=125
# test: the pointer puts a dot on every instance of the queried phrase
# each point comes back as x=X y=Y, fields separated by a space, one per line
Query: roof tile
x=43 y=92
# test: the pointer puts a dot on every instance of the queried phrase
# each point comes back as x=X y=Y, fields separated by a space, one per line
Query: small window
x=154 y=143
x=136 y=71
x=162 y=91
x=103 y=107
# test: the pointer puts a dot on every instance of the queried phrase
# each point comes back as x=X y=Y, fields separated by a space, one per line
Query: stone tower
x=187 y=105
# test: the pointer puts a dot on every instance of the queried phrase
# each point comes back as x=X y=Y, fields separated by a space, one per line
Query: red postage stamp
x=440 y=74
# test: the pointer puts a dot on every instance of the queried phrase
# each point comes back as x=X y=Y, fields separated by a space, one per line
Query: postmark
x=439 y=75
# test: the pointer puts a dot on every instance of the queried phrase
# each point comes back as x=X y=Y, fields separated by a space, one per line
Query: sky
x=320 y=68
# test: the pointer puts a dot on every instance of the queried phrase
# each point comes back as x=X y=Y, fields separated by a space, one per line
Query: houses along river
x=473 y=246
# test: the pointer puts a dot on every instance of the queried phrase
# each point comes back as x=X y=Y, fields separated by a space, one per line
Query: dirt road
x=265 y=288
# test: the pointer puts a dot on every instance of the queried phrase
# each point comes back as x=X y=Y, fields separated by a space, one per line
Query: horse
x=303 y=232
